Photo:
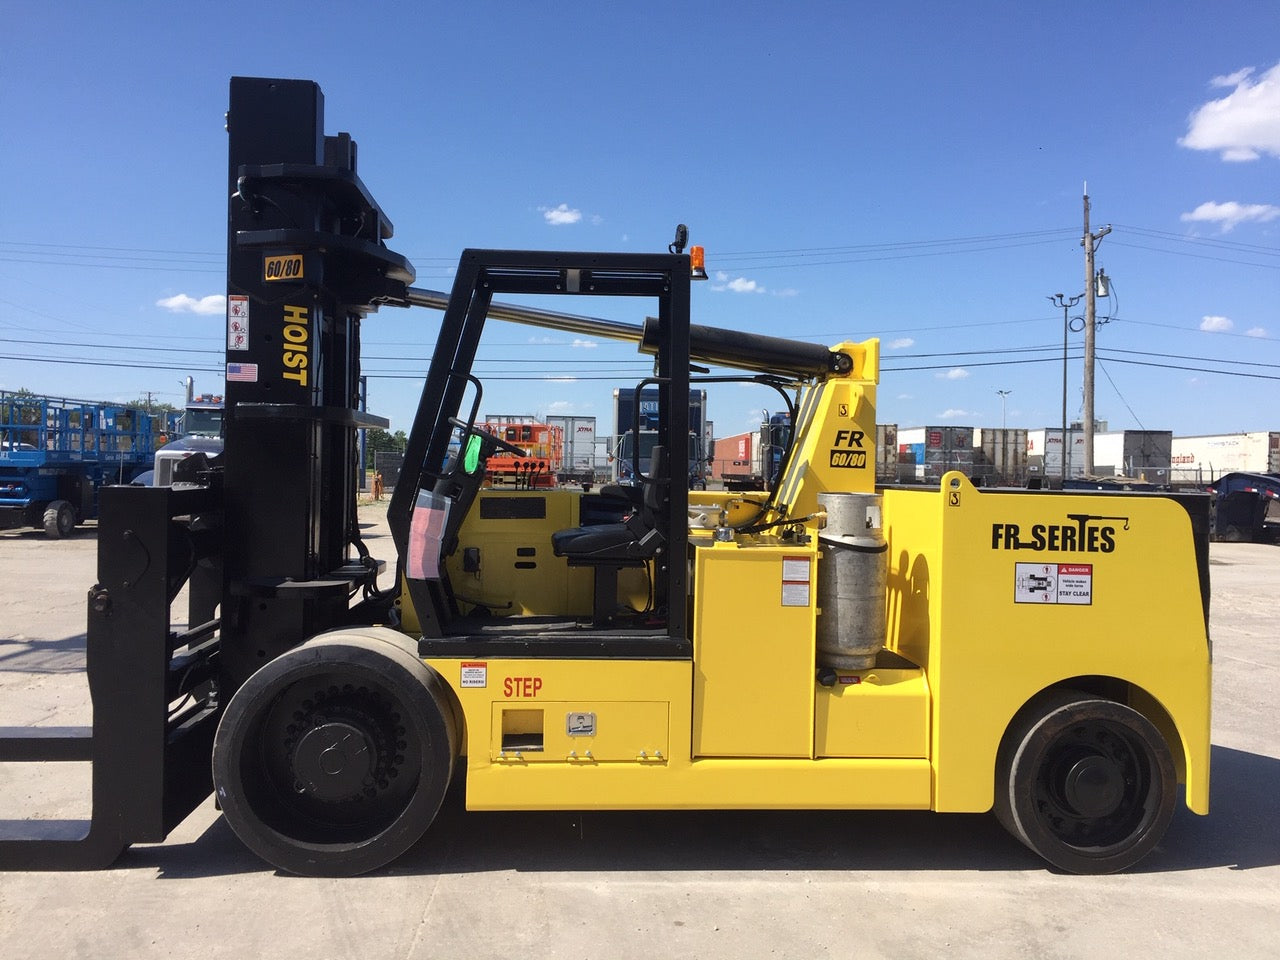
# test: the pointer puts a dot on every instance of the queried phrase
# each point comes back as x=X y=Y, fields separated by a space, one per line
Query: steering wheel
x=498 y=442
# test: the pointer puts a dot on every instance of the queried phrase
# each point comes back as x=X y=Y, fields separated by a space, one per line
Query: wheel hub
x=1094 y=786
x=333 y=761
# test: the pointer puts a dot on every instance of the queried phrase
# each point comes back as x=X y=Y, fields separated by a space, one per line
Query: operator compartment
x=504 y=565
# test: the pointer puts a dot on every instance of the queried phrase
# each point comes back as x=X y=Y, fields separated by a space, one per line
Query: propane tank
x=853 y=573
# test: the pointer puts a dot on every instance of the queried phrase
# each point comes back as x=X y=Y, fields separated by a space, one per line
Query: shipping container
x=886 y=452
x=1000 y=455
x=910 y=454
x=603 y=460
x=579 y=460
x=1141 y=454
x=1044 y=453
x=926 y=453
x=738 y=458
x=1201 y=460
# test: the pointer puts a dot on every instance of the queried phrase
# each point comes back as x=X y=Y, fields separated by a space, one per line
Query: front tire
x=1088 y=784
x=59 y=519
x=333 y=759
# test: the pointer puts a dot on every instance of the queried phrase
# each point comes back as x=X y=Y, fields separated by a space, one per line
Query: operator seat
x=608 y=547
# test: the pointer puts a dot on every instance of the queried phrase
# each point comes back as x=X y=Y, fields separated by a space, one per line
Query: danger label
x=1056 y=583
x=474 y=675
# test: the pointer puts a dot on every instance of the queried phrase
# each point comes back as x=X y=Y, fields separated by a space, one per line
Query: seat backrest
x=653 y=485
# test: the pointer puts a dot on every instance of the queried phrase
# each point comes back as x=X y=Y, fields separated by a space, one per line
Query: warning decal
x=237 y=322
x=474 y=675
x=796 y=578
x=1057 y=583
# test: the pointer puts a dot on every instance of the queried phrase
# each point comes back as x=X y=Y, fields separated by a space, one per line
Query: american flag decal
x=244 y=372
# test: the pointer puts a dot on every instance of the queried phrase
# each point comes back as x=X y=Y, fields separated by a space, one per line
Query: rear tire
x=332 y=759
x=1088 y=784
x=59 y=519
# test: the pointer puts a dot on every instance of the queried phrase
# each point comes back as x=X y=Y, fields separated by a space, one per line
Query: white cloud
x=786 y=292
x=206 y=306
x=1256 y=332
x=1232 y=79
x=1245 y=123
x=561 y=379
x=905 y=396
x=955 y=373
x=560 y=216
x=952 y=413
x=1231 y=214
x=1216 y=325
x=543 y=340
x=901 y=343
x=736 y=285
x=584 y=344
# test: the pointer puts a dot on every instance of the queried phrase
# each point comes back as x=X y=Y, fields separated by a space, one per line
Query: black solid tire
x=369 y=686
x=59 y=519
x=1088 y=784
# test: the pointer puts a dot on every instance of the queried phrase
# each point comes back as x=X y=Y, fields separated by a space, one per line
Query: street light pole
x=1066 y=303
x=1004 y=424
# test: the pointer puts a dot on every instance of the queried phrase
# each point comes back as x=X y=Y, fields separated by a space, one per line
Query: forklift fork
x=155 y=705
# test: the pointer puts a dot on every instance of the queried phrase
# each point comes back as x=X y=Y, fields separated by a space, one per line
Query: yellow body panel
x=964 y=604
x=881 y=712
x=623 y=764
x=753 y=649
x=560 y=731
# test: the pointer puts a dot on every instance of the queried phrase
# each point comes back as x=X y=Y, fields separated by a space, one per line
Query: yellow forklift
x=824 y=645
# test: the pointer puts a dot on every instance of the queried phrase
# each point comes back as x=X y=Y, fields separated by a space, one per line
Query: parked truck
x=57 y=453
x=753 y=460
x=823 y=646
x=1246 y=507
x=635 y=415
x=198 y=436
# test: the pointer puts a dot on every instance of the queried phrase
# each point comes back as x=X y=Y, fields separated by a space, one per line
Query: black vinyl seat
x=609 y=547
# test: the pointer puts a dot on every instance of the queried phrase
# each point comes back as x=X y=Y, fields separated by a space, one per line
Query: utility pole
x=1090 y=242
x=1004 y=424
x=1066 y=303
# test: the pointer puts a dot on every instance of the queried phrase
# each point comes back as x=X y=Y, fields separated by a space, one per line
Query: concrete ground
x=621 y=885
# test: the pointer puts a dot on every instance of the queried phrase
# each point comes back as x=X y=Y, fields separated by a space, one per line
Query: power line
x=1179 y=356
x=1197 y=256
x=1200 y=241
x=1174 y=366
x=1107 y=374
x=1061 y=233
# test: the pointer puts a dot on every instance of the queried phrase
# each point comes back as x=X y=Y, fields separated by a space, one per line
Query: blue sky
x=911 y=171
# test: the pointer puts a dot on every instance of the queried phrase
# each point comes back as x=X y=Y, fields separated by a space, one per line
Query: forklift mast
x=306 y=260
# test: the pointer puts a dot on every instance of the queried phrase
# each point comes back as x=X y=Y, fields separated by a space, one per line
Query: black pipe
x=753 y=351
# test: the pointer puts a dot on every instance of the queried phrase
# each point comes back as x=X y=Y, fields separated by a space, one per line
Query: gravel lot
x=621 y=885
